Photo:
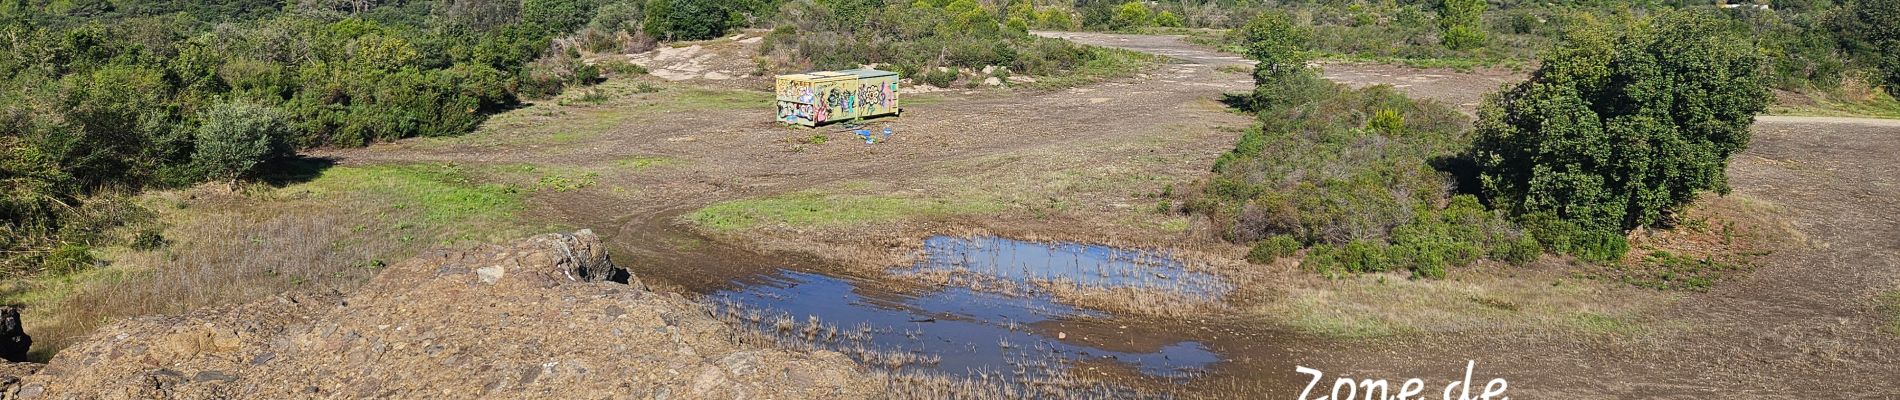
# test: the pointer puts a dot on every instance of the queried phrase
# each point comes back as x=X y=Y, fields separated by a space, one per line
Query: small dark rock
x=263 y=358
x=207 y=376
x=449 y=270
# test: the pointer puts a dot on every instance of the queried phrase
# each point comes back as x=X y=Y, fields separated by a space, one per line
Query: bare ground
x=1076 y=164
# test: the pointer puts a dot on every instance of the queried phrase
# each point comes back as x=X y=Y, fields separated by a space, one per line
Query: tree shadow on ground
x=1238 y=102
x=293 y=170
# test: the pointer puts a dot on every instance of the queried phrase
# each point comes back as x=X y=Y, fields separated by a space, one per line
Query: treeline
x=107 y=96
x=1621 y=127
x=928 y=40
x=1812 y=45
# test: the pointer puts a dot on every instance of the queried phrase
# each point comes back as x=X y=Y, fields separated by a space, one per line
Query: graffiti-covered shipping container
x=821 y=97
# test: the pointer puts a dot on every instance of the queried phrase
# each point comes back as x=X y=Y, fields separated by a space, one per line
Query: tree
x=1168 y=19
x=1281 y=78
x=686 y=19
x=236 y=137
x=1462 y=24
x=1873 y=30
x=1622 y=129
x=1275 y=41
x=1131 y=15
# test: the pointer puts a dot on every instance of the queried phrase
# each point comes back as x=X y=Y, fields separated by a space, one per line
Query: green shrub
x=1387 y=121
x=234 y=138
x=1618 y=130
x=620 y=66
x=68 y=258
x=1131 y=15
x=1461 y=24
x=1520 y=251
x=1355 y=172
x=942 y=78
x=1168 y=19
x=1363 y=256
x=1869 y=29
x=1275 y=247
x=686 y=19
x=149 y=239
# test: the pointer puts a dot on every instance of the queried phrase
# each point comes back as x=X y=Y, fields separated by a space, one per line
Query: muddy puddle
x=991 y=316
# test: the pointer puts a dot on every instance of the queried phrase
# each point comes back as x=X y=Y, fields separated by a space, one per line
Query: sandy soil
x=1804 y=323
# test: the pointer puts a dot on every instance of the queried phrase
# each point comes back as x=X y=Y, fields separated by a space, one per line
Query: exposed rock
x=993 y=81
x=551 y=321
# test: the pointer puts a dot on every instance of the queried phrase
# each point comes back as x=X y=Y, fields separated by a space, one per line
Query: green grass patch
x=1453 y=63
x=1875 y=105
x=716 y=99
x=1663 y=270
x=819 y=209
x=1892 y=300
x=1105 y=65
x=443 y=192
x=642 y=163
x=1344 y=325
x=1602 y=324
x=538 y=177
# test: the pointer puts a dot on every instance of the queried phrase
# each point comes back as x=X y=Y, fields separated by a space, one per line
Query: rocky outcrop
x=546 y=318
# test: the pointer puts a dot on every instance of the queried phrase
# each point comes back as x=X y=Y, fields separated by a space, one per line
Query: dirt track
x=1803 y=324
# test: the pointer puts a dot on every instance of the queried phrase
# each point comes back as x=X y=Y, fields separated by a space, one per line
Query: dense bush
x=1349 y=171
x=1621 y=129
x=916 y=39
x=1265 y=251
x=1871 y=30
x=127 y=96
x=1461 y=23
x=1130 y=15
x=1359 y=175
x=686 y=19
x=236 y=137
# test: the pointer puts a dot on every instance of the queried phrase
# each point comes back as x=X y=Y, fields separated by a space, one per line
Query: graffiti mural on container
x=820 y=97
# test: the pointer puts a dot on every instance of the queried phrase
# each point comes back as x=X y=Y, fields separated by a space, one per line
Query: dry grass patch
x=1372 y=305
x=1719 y=236
x=331 y=233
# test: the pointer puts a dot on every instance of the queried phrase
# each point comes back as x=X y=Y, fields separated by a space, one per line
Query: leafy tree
x=1168 y=19
x=1055 y=19
x=1461 y=24
x=1872 y=29
x=1281 y=78
x=1276 y=42
x=1621 y=129
x=236 y=137
x=686 y=19
x=1131 y=15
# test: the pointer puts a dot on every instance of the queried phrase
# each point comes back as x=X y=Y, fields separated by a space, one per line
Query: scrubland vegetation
x=933 y=40
x=1621 y=127
x=103 y=97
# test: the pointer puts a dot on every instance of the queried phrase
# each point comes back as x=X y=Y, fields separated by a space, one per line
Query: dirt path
x=1803 y=324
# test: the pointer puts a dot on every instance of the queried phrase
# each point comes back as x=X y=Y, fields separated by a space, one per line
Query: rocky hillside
x=550 y=317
